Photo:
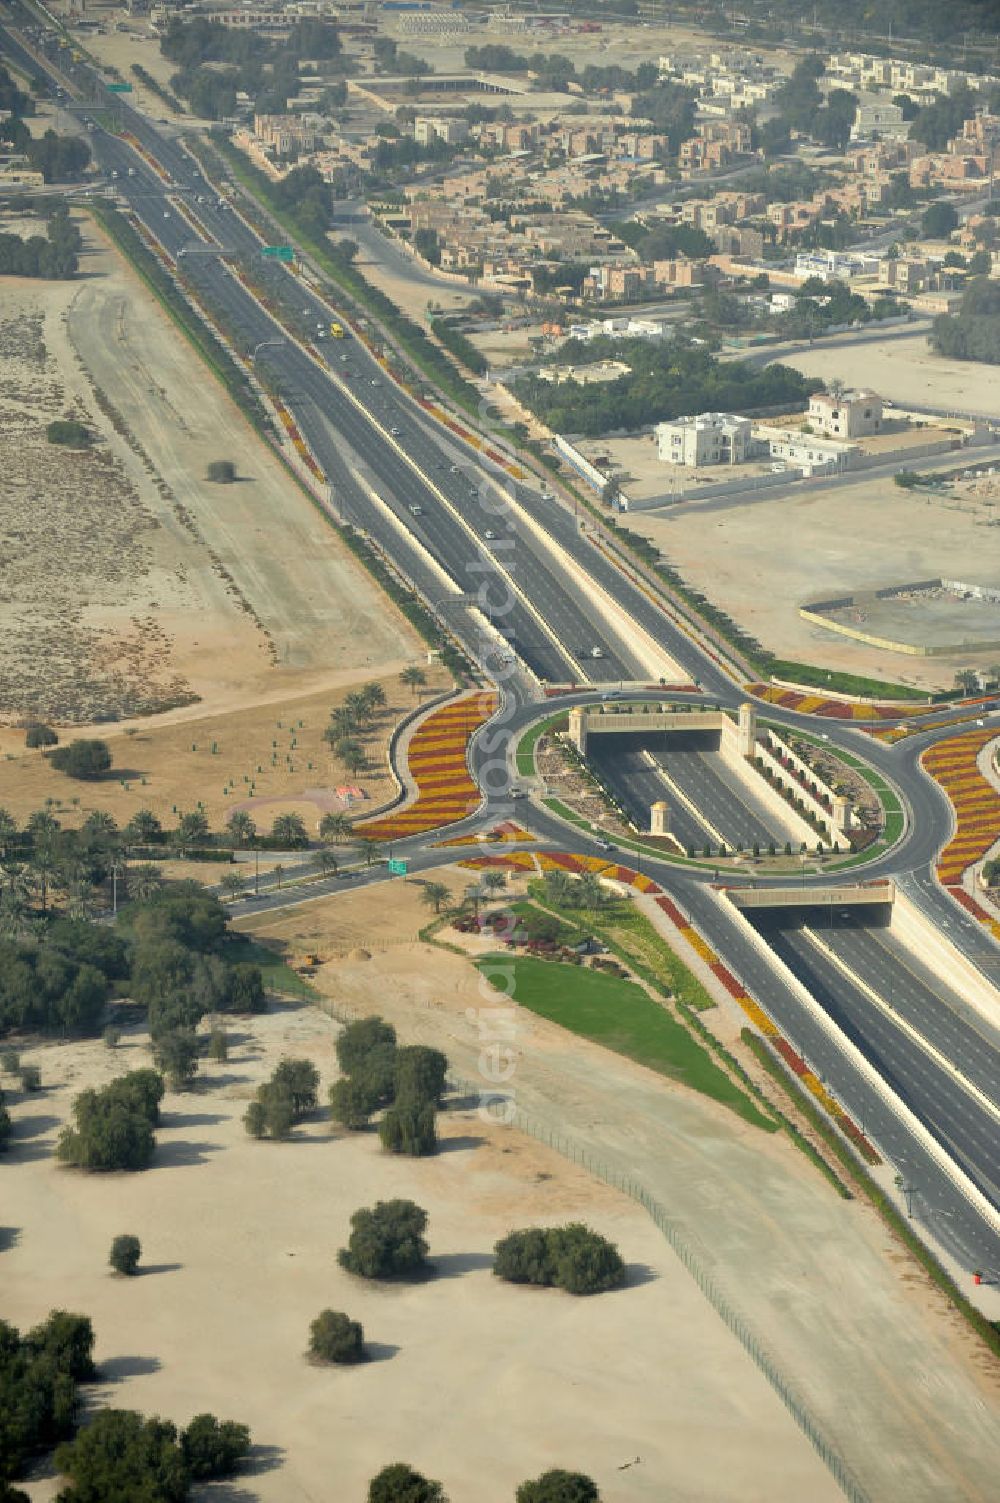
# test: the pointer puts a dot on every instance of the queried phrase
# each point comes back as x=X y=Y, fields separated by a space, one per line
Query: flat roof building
x=708 y=438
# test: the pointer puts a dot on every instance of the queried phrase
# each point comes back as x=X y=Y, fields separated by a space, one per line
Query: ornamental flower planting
x=437 y=759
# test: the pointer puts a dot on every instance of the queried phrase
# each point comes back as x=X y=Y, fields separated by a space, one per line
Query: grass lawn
x=525 y=754
x=620 y=1016
x=277 y=976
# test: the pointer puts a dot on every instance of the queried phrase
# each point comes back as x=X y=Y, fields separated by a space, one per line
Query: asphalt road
x=550 y=622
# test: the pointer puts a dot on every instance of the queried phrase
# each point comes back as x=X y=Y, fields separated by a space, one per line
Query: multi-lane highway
x=429 y=504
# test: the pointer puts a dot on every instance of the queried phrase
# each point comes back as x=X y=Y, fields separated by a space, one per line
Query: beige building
x=852 y=414
x=709 y=438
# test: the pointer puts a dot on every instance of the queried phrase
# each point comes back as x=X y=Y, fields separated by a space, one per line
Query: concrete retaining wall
x=790 y=821
x=925 y=939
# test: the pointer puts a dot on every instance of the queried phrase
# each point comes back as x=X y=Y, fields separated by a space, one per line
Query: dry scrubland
x=476 y=1382
x=886 y=1367
x=168 y=765
x=834 y=540
x=129 y=583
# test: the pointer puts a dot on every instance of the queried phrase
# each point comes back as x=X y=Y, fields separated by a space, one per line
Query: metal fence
x=720 y=1301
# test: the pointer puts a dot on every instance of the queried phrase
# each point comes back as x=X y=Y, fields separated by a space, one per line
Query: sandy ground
x=474 y=1382
x=883 y=1364
x=122 y=48
x=905 y=370
x=164 y=588
x=834 y=540
x=269 y=758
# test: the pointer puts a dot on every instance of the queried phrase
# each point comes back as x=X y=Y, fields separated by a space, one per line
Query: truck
x=131 y=172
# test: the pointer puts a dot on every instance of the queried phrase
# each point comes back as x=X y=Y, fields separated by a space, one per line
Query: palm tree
x=81 y=899
x=328 y=862
x=374 y=695
x=143 y=881
x=43 y=869
x=232 y=883
x=343 y=723
x=493 y=882
x=373 y=852
x=100 y=828
x=473 y=896
x=191 y=828
x=414 y=678
x=290 y=831
x=358 y=705
x=352 y=754
x=142 y=828
x=434 y=895
x=589 y=892
x=335 y=828
x=241 y=827
x=42 y=823
x=14 y=919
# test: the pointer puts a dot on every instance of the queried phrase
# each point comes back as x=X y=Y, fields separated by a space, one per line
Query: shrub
x=221 y=471
x=125 y=1253
x=86 y=760
x=570 y=1257
x=68 y=431
x=40 y=735
x=112 y=1037
x=213 y=1448
x=408 y=1127
x=30 y=1077
x=335 y=1338
x=399 y=1483
x=272 y=1114
x=559 y=1487
x=10 y=1061
x=114 y=1126
x=386 y=1241
x=218 y=1045
x=243 y=990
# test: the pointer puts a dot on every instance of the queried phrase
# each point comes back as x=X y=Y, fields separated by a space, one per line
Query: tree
x=570 y=1257
x=221 y=472
x=400 y=1483
x=233 y=884
x=335 y=828
x=353 y=755
x=5 y=1125
x=121 y=1456
x=192 y=830
x=358 y=1039
x=212 y=1448
x=67 y=1341
x=408 y=1127
x=434 y=895
x=300 y=1078
x=289 y=830
x=218 y=1045
x=30 y=1077
x=88 y=759
x=386 y=1241
x=420 y=1073
x=374 y=695
x=272 y=1113
x=352 y=1103
x=114 y=1126
x=335 y=1338
x=126 y=1251
x=241 y=828
x=69 y=432
x=559 y=1487
x=938 y=220
x=414 y=678
x=38 y=734
x=176 y=1054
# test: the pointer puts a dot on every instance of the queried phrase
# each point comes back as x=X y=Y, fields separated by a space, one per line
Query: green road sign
x=119 y=88
x=397 y=868
x=279 y=252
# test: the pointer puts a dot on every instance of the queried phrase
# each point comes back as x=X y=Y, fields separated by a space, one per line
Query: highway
x=435 y=505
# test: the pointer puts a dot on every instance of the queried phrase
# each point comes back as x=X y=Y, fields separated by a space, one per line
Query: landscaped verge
x=953 y=764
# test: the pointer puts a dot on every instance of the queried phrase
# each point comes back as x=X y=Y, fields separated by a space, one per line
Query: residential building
x=709 y=438
x=852 y=414
x=427 y=128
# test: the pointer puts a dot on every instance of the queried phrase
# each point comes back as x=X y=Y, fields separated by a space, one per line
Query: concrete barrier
x=947 y=962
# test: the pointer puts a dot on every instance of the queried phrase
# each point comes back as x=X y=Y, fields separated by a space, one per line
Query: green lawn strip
x=844 y=683
x=277 y=976
x=525 y=753
x=620 y=1016
x=564 y=812
x=984 y=1328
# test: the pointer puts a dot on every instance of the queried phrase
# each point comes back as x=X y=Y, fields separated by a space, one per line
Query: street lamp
x=263 y=345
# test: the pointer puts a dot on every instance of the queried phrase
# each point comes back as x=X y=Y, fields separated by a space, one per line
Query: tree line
x=664 y=381
x=973 y=333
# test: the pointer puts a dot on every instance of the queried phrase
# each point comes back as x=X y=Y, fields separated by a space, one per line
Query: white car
x=489 y=535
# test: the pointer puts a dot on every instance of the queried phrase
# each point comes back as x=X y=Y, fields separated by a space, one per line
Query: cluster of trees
x=408 y=1082
x=938 y=220
x=664 y=381
x=58 y=979
x=39 y=1377
x=70 y=432
x=114 y=1125
x=52 y=256
x=215 y=63
x=935 y=124
x=820 y=305
x=387 y=1241
x=121 y=1455
x=285 y=1099
x=556 y=71
x=570 y=1257
x=402 y=1483
x=664 y=242
x=973 y=333
x=351 y=721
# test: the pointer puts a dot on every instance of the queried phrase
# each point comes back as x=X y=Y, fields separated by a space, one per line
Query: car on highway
x=597 y=652
x=395 y=432
x=416 y=511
